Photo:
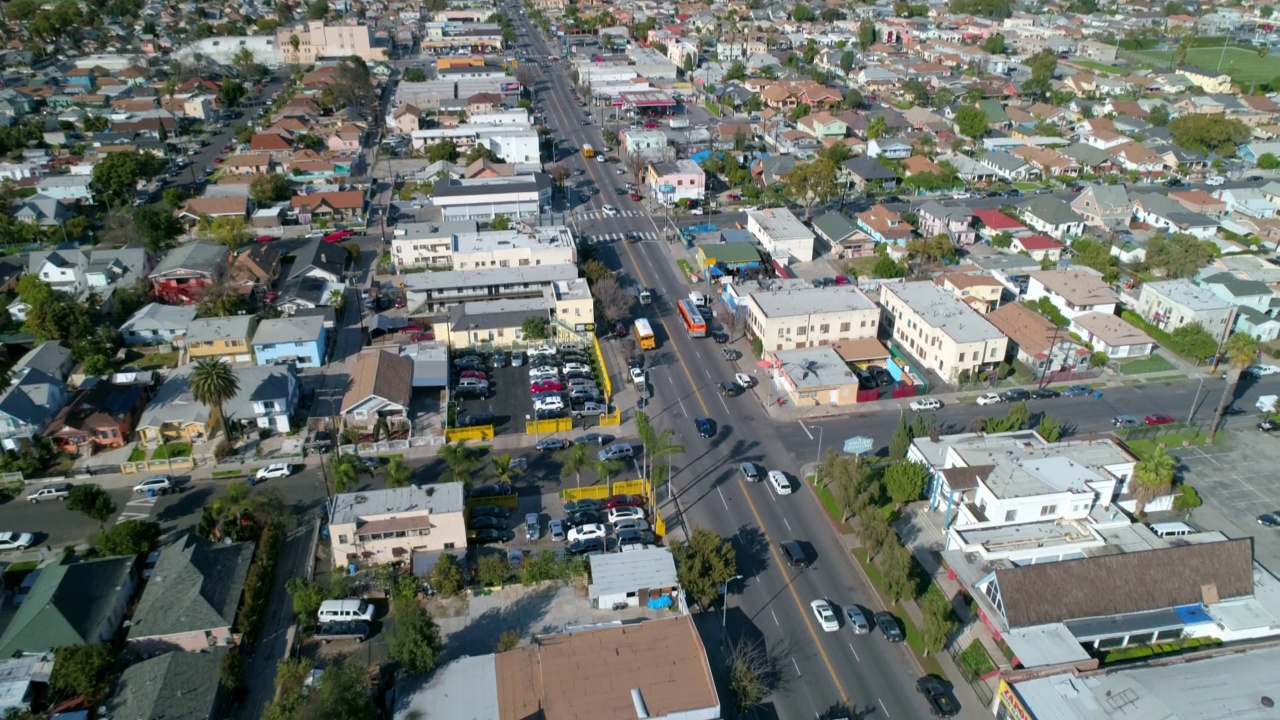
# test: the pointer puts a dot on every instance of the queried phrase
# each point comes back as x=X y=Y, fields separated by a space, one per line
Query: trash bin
x=1097 y=394
x=151 y=493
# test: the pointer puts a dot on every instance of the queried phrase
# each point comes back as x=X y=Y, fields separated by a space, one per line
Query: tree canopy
x=1179 y=255
x=1209 y=133
x=116 y=176
x=972 y=122
x=703 y=564
x=994 y=9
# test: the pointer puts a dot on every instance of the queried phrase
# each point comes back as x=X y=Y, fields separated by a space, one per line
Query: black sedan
x=1269 y=520
x=492 y=511
x=1015 y=395
x=706 y=427
x=720 y=336
x=600 y=439
x=494 y=490
x=586 y=517
x=1044 y=394
x=942 y=703
x=889 y=627
x=586 y=505
x=488 y=523
x=487 y=537
x=1233 y=411
x=590 y=545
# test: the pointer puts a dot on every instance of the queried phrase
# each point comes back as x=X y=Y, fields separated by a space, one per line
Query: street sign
x=859 y=445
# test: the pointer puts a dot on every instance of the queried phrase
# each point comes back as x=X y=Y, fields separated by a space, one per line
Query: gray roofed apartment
x=190 y=602
x=172 y=686
x=73 y=602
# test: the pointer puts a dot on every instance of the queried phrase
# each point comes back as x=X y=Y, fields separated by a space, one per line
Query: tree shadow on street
x=481 y=633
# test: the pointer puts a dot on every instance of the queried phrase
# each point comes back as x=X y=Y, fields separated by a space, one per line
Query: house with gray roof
x=172 y=686
x=267 y=398
x=72 y=602
x=174 y=413
x=155 y=323
x=864 y=172
x=1159 y=211
x=52 y=358
x=1256 y=304
x=1010 y=167
x=1170 y=304
x=41 y=210
x=191 y=599
x=27 y=406
x=1106 y=207
x=298 y=339
x=1052 y=217
x=321 y=260
x=186 y=271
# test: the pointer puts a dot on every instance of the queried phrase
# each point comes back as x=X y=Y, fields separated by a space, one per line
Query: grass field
x=1244 y=66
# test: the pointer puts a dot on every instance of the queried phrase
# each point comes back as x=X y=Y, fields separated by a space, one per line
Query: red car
x=217 y=161
x=546 y=386
x=635 y=196
x=473 y=374
x=618 y=501
x=734 y=196
x=333 y=237
x=265 y=238
x=843 y=280
x=1158 y=419
x=226 y=148
x=650 y=125
x=343 y=233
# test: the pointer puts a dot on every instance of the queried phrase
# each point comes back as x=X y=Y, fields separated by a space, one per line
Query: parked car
x=587 y=546
x=586 y=532
x=555 y=529
x=889 y=627
x=1125 y=421
x=625 y=512
x=159 y=484
x=1044 y=394
x=620 y=501
x=942 y=703
x=272 y=471
x=600 y=439
x=490 y=511
x=584 y=505
x=486 y=522
x=857 y=619
x=633 y=524
x=546 y=386
x=1265 y=426
x=925 y=404
x=495 y=490
x=552 y=444
x=1015 y=395
x=1269 y=520
x=1159 y=419
x=619 y=451
x=1077 y=391
x=486 y=537
x=54 y=491
x=988 y=399
x=744 y=380
x=825 y=616
x=16 y=541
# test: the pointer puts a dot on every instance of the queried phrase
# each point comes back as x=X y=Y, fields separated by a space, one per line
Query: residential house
x=1248 y=202
x=184 y=273
x=174 y=414
x=1255 y=301
x=336 y=206
x=1053 y=217
x=1010 y=167
x=816 y=376
x=893 y=148
x=301 y=340
x=254 y=268
x=101 y=416
x=174 y=686
x=1200 y=202
x=982 y=292
x=381 y=385
x=1161 y=212
x=267 y=398
x=781 y=234
x=954 y=222
x=843 y=236
x=155 y=324
x=375 y=527
x=51 y=357
x=42 y=210
x=1039 y=247
x=823 y=126
x=810 y=317
x=319 y=259
x=1170 y=304
x=885 y=226
x=942 y=332
x=1073 y=291
x=1035 y=341
x=1112 y=335
x=865 y=174
x=992 y=222
x=1138 y=158
x=1048 y=161
x=73 y=601
x=212 y=208
x=28 y=405
x=191 y=599
x=226 y=338
x=676 y=181
x=1106 y=207
x=406 y=119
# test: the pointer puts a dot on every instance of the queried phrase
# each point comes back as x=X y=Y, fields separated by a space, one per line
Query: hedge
x=258 y=582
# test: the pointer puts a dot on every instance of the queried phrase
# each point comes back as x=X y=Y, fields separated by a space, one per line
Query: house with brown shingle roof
x=381 y=384
x=269 y=142
x=214 y=207
x=1199 y=201
x=1050 y=161
x=247 y=165
x=885 y=225
x=1031 y=336
x=340 y=205
x=917 y=164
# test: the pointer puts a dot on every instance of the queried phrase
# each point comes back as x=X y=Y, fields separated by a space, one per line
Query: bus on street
x=644 y=335
x=692 y=319
x=588 y=151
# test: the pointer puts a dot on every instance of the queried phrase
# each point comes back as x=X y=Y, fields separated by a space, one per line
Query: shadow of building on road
x=481 y=633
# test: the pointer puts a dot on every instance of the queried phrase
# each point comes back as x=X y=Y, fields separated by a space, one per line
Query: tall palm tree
x=573 y=460
x=648 y=438
x=1153 y=477
x=213 y=383
x=397 y=473
x=664 y=445
x=460 y=460
x=503 y=470
x=1241 y=351
x=605 y=469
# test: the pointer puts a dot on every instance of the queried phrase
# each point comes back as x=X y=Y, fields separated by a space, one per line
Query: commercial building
x=486 y=198
x=518 y=144
x=814 y=376
x=787 y=319
x=428 y=294
x=637 y=579
x=671 y=182
x=941 y=331
x=460 y=246
x=781 y=234
x=317 y=39
x=566 y=305
x=373 y=527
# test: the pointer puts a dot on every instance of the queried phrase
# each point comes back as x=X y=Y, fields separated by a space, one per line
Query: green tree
x=1268 y=161
x=888 y=268
x=866 y=34
x=939 y=620
x=573 y=460
x=1241 y=351
x=1152 y=477
x=82 y=671
x=1159 y=115
x=535 y=327
x=1049 y=428
x=900 y=443
x=91 y=501
x=157 y=226
x=230 y=232
x=1179 y=255
x=877 y=126
x=446 y=575
x=874 y=533
x=213 y=383
x=269 y=188
x=317 y=9
x=307 y=596
x=130 y=537
x=812 y=183
x=1209 y=134
x=703 y=564
x=504 y=470
x=802 y=13
x=897 y=568
x=397 y=473
x=916 y=92
x=346 y=471
x=493 y=570
x=231 y=93
x=849 y=482
x=342 y=692
x=116 y=176
x=59 y=316
x=414 y=639
x=905 y=481
x=605 y=469
x=972 y=122
x=736 y=71
x=460 y=459
x=995 y=45
x=444 y=150
x=1096 y=254
x=1193 y=341
x=414 y=75
x=1186 y=500
x=500 y=222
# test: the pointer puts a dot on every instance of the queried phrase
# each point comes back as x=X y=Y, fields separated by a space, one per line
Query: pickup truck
x=56 y=491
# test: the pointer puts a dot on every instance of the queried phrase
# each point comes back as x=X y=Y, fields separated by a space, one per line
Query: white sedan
x=744 y=380
x=155 y=483
x=586 y=532
x=988 y=399
x=275 y=470
x=637 y=376
x=16 y=541
x=1264 y=369
x=825 y=615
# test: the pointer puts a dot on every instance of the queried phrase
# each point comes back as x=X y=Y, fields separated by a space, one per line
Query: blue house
x=299 y=339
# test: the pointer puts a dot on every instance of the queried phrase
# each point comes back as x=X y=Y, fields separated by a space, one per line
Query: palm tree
x=459 y=459
x=397 y=473
x=572 y=461
x=876 y=127
x=346 y=470
x=648 y=439
x=503 y=470
x=337 y=299
x=1241 y=351
x=605 y=469
x=213 y=383
x=1152 y=477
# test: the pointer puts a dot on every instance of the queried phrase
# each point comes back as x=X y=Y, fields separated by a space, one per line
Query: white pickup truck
x=54 y=491
x=1267 y=403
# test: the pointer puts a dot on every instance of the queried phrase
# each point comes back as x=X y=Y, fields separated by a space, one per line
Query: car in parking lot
x=542 y=351
x=552 y=444
x=619 y=501
x=889 y=627
x=586 y=517
x=486 y=522
x=632 y=524
x=1125 y=421
x=625 y=512
x=472 y=375
x=1044 y=394
x=1158 y=419
x=468 y=362
x=988 y=399
x=490 y=511
x=881 y=376
x=486 y=537
x=495 y=490
x=475 y=419
x=158 y=484
x=857 y=619
x=705 y=426
x=780 y=483
x=587 y=546
x=584 y=505
x=586 y=532
x=634 y=535
x=942 y=703
x=546 y=386
x=1269 y=520
x=619 y=451
x=1015 y=395
x=924 y=404
x=555 y=528
x=576 y=367
x=517 y=358
x=825 y=616
x=274 y=470
x=16 y=541
x=1077 y=391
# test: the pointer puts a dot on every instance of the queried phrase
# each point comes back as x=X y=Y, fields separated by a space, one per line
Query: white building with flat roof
x=781 y=234
x=373 y=527
x=461 y=246
x=433 y=292
x=483 y=199
x=941 y=331
x=809 y=316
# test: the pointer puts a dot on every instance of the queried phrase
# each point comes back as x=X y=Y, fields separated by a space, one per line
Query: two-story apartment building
x=1073 y=291
x=1170 y=304
x=671 y=182
x=373 y=527
x=221 y=337
x=781 y=234
x=432 y=293
x=808 y=317
x=941 y=331
x=300 y=339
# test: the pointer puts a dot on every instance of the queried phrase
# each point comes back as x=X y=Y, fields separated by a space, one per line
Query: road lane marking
x=793 y=662
x=775 y=617
x=805 y=429
x=882 y=707
x=726 y=502
x=855 y=653
x=788 y=524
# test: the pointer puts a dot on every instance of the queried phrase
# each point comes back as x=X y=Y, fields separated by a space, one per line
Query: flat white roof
x=811 y=301
x=434 y=498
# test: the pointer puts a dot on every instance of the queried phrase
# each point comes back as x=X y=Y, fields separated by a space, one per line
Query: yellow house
x=175 y=415
x=221 y=337
x=567 y=305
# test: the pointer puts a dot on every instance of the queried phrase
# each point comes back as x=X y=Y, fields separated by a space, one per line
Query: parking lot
x=510 y=401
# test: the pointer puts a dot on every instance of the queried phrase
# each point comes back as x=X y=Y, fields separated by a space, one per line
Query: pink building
x=304 y=45
x=671 y=182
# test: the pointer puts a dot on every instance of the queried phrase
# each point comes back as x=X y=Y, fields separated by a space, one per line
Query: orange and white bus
x=644 y=335
x=693 y=322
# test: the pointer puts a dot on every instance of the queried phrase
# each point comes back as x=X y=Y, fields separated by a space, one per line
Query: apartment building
x=433 y=293
x=454 y=245
x=781 y=234
x=483 y=199
x=373 y=527
x=1170 y=304
x=1074 y=291
x=941 y=331
x=809 y=317
x=567 y=305
x=303 y=45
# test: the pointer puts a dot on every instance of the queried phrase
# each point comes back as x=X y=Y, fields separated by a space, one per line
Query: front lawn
x=1152 y=364
x=154 y=361
x=137 y=454
x=169 y=451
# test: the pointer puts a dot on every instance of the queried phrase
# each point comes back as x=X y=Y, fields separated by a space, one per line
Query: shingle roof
x=195 y=586
x=202 y=257
x=1126 y=583
x=380 y=374
x=69 y=602
x=173 y=686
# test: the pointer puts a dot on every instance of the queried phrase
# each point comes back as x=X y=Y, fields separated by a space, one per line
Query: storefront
x=1009 y=705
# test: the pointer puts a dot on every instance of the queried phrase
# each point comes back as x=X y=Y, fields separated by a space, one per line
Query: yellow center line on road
x=773 y=548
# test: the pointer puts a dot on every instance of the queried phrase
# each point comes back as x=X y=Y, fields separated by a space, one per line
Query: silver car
x=857 y=619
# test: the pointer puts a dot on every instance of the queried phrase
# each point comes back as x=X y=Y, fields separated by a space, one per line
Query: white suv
x=780 y=483
x=926 y=404
x=619 y=514
x=610 y=210
x=275 y=470
x=156 y=483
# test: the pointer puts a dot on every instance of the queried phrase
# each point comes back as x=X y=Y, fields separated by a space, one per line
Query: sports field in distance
x=1243 y=65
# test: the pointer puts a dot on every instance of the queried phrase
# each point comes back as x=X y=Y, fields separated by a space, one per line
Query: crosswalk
x=604 y=238
x=601 y=215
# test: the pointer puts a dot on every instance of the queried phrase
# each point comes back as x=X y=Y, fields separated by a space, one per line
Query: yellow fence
x=604 y=370
x=178 y=463
x=510 y=502
x=479 y=432
x=613 y=418
x=546 y=427
x=622 y=487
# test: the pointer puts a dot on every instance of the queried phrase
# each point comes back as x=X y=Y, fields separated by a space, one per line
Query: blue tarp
x=715 y=271
x=660 y=603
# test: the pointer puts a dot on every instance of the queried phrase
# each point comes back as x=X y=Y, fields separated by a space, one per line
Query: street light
x=724 y=613
x=819 y=429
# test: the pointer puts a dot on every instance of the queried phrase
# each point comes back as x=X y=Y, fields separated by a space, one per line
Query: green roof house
x=172 y=686
x=73 y=602
x=190 y=602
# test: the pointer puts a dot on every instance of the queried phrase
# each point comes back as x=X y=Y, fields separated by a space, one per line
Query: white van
x=345 y=611
x=1172 y=529
x=698 y=299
